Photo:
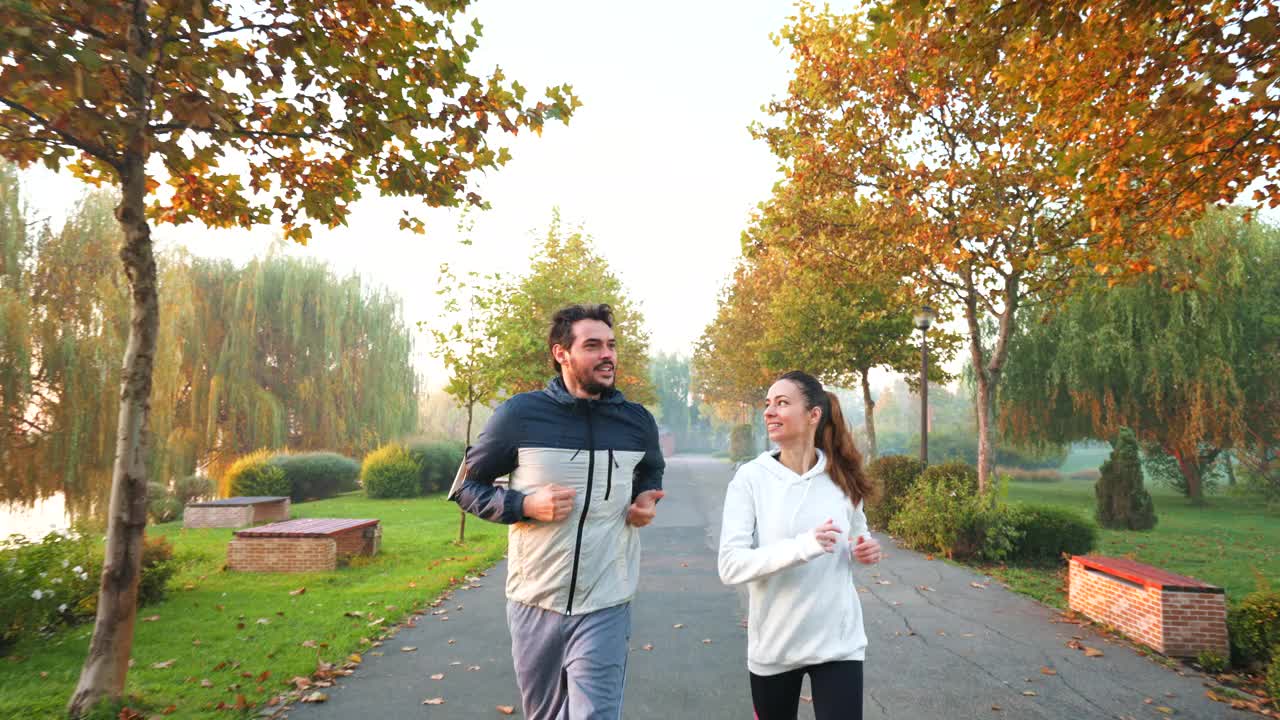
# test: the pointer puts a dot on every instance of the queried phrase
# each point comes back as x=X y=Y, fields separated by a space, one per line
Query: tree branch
x=95 y=150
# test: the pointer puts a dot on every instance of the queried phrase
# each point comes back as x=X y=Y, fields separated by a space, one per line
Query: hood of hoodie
x=557 y=391
x=782 y=472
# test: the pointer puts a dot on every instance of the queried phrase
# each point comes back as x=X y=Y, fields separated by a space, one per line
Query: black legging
x=837 y=692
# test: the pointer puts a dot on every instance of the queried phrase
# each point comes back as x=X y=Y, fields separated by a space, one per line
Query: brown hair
x=561 y=332
x=832 y=437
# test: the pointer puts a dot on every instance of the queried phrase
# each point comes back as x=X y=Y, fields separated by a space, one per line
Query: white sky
x=657 y=165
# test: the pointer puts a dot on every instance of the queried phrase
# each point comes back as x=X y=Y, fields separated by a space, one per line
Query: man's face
x=591 y=362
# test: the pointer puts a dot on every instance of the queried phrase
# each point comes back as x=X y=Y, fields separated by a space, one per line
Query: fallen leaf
x=299 y=591
x=452 y=641
x=1092 y=652
x=438 y=676
x=456 y=662
x=315 y=697
x=408 y=648
x=1048 y=671
x=1030 y=693
x=1164 y=709
x=264 y=621
x=308 y=643
x=924 y=588
x=300 y=682
x=997 y=708
x=355 y=658
x=43 y=674
x=978 y=585
x=647 y=646
x=706 y=641
x=169 y=710
x=433 y=701
x=379 y=621
x=263 y=676
x=151 y=618
x=884 y=582
x=164 y=665
x=506 y=709
x=677 y=626
x=413 y=584
x=472 y=668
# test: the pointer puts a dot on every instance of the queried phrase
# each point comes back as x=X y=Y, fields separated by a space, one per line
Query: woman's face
x=785 y=418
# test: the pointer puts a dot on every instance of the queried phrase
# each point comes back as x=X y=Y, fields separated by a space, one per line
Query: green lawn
x=1230 y=542
x=244 y=633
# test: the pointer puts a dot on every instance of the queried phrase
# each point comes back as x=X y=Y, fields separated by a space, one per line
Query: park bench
x=235 y=512
x=305 y=545
x=1170 y=613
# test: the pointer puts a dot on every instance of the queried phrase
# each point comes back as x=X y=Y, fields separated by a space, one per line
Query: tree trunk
x=107 y=664
x=987 y=370
x=869 y=409
x=462 y=516
x=1189 y=466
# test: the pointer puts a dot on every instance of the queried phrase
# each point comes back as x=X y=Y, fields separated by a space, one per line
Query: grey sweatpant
x=570 y=667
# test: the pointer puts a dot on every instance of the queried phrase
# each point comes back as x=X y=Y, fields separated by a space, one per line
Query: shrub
x=44 y=584
x=1211 y=662
x=1043 y=475
x=317 y=475
x=390 y=472
x=1254 y=625
x=939 y=513
x=1046 y=532
x=742 y=443
x=194 y=487
x=894 y=474
x=162 y=505
x=157 y=567
x=439 y=462
x=1123 y=503
x=1273 y=677
x=254 y=475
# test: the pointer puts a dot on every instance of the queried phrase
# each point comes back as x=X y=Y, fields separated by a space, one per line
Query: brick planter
x=1172 y=614
x=309 y=545
x=235 y=512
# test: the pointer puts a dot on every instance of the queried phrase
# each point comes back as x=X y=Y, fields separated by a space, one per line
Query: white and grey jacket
x=607 y=450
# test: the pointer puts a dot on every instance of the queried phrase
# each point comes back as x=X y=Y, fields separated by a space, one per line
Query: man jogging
x=585 y=470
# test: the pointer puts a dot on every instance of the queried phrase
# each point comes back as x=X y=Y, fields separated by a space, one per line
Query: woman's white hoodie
x=803 y=608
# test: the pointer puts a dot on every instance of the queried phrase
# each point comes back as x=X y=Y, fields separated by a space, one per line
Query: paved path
x=940 y=647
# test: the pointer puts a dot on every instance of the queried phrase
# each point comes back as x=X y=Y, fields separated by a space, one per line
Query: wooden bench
x=306 y=545
x=235 y=512
x=1170 y=613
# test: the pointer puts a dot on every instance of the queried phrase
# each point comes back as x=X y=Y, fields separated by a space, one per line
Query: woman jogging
x=793 y=527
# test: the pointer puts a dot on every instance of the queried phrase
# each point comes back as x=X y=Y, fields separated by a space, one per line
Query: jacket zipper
x=582 y=519
x=608 y=478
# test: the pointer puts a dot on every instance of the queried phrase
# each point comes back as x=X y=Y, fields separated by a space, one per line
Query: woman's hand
x=866 y=549
x=828 y=535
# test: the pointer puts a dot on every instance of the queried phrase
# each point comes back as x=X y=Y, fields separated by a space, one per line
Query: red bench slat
x=1144 y=575
x=306 y=527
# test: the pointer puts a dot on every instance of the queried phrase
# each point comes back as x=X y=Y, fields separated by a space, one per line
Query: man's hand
x=641 y=512
x=866 y=549
x=549 y=503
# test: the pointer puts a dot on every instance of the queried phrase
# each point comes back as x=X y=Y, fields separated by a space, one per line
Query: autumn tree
x=565 y=269
x=1192 y=371
x=730 y=369
x=315 y=100
x=1150 y=109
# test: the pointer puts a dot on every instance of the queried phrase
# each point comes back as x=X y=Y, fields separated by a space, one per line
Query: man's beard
x=586 y=379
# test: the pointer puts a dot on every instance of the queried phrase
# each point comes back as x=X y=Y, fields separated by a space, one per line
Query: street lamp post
x=923 y=319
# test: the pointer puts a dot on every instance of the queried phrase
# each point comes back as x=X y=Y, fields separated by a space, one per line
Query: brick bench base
x=302 y=545
x=1172 y=614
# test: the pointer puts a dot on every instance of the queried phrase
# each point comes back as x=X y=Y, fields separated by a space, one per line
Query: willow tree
x=318 y=100
x=563 y=270
x=63 y=322
x=1192 y=372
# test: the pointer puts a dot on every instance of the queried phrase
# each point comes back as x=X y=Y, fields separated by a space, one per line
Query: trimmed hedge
x=438 y=461
x=254 y=475
x=317 y=475
x=391 y=472
x=1254 y=625
x=1046 y=532
x=894 y=474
